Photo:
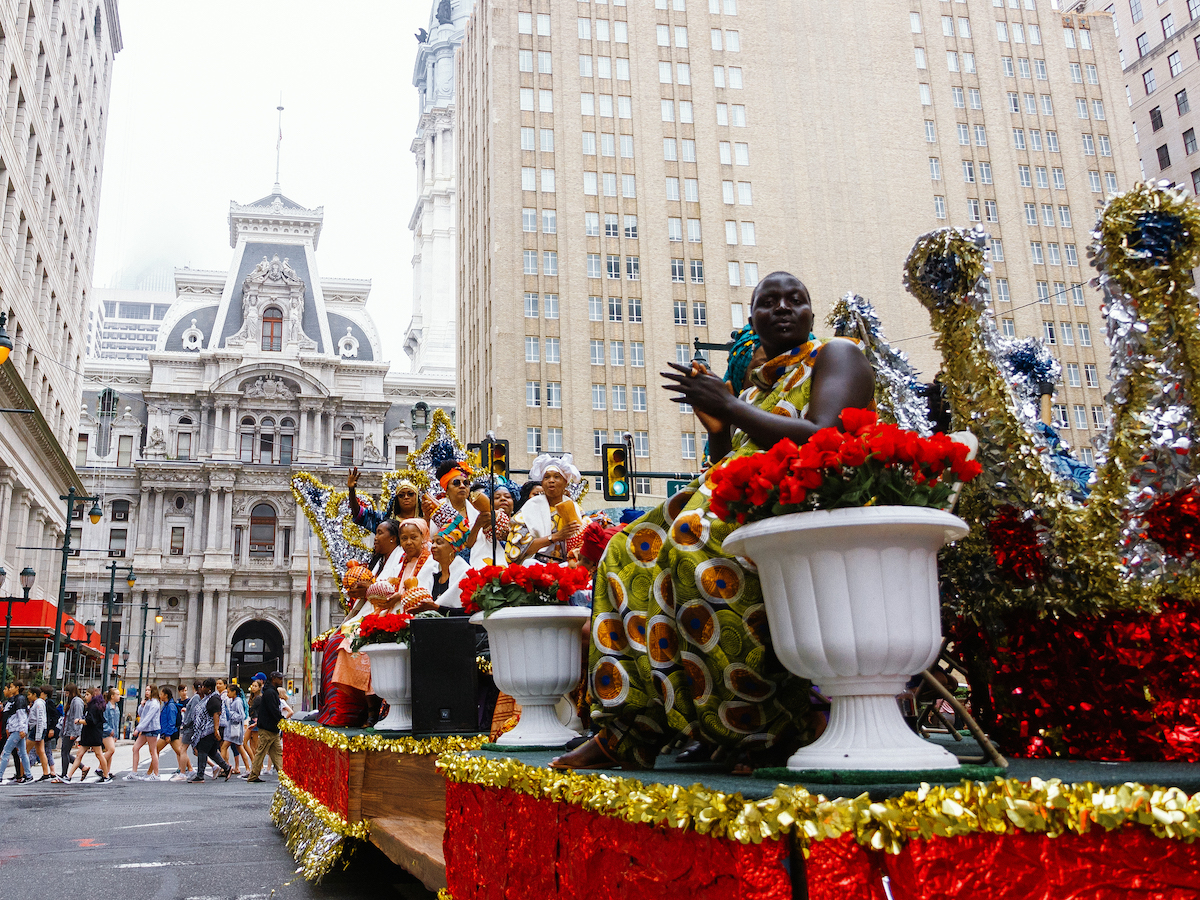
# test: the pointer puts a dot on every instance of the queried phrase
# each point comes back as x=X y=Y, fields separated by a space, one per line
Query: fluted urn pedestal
x=391 y=679
x=537 y=656
x=852 y=602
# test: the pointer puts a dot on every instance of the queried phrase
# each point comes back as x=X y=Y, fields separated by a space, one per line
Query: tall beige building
x=1159 y=46
x=58 y=59
x=627 y=173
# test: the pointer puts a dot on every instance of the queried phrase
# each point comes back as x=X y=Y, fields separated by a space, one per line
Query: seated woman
x=451 y=569
x=404 y=504
x=499 y=508
x=548 y=525
x=679 y=633
x=346 y=676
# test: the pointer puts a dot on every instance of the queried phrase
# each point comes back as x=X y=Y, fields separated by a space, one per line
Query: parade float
x=1069 y=604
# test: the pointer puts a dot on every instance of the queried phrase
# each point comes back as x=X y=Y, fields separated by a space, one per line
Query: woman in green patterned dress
x=679 y=637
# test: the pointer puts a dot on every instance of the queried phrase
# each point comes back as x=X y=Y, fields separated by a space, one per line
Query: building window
x=552 y=350
x=677 y=271
x=687 y=446
x=1148 y=81
x=125 y=451
x=554 y=395
x=1181 y=102
x=599 y=396
x=116 y=542
x=533 y=393
x=616 y=353
x=641 y=444
x=346 y=454
x=697 y=271
x=639 y=398
x=637 y=354
x=176 y=541
x=597 y=353
x=1164 y=157
x=531 y=349
x=939 y=207
x=81 y=447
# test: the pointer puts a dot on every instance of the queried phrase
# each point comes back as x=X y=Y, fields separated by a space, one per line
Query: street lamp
x=130 y=579
x=89 y=628
x=27 y=577
x=95 y=515
x=142 y=648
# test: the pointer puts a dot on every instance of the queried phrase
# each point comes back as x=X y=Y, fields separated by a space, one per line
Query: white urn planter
x=852 y=602
x=391 y=679
x=537 y=656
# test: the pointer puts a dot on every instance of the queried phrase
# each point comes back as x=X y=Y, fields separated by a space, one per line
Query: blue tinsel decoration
x=1031 y=360
x=1156 y=237
x=941 y=276
x=442 y=451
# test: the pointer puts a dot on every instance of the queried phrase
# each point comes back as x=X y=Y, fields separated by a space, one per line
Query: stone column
x=156 y=526
x=210 y=542
x=227 y=518
x=296 y=648
x=209 y=626
x=220 y=632
x=6 y=497
x=189 y=641
x=302 y=436
x=144 y=517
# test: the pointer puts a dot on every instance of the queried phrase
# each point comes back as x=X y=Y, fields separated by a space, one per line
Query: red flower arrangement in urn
x=492 y=587
x=381 y=628
x=864 y=463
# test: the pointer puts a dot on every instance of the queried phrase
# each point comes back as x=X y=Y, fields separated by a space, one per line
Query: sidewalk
x=122 y=764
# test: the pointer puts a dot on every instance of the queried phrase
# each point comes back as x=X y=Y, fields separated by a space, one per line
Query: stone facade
x=259 y=372
x=627 y=173
x=429 y=340
x=59 y=61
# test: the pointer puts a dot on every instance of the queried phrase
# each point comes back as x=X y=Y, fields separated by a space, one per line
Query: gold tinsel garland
x=429 y=746
x=443 y=894
x=998 y=807
x=316 y=837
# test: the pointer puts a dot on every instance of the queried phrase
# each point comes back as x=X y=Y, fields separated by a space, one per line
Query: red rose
x=855 y=420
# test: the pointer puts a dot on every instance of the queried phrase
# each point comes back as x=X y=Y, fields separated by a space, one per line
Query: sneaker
x=196 y=779
x=100 y=777
x=104 y=780
x=133 y=776
x=178 y=777
x=46 y=777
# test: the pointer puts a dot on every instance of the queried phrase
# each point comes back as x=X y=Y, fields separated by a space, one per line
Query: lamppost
x=130 y=579
x=124 y=669
x=27 y=577
x=142 y=648
x=89 y=628
x=95 y=514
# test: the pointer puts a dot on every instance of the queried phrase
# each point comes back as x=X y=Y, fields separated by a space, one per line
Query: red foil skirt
x=321 y=770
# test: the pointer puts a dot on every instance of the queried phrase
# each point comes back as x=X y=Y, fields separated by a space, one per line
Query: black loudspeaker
x=445 y=676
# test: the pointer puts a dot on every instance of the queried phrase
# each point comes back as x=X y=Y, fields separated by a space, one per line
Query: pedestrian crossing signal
x=615 y=478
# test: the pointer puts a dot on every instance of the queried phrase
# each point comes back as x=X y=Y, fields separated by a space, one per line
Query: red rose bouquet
x=492 y=587
x=381 y=628
x=864 y=463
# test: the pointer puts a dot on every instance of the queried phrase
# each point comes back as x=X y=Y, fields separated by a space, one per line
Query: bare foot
x=590 y=755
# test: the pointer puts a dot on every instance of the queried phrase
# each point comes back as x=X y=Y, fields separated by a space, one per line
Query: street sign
x=675 y=486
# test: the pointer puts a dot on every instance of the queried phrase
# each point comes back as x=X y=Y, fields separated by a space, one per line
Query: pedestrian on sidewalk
x=91 y=737
x=112 y=724
x=69 y=726
x=269 y=714
x=252 y=717
x=37 y=731
x=170 y=732
x=233 y=734
x=147 y=734
x=16 y=726
x=204 y=733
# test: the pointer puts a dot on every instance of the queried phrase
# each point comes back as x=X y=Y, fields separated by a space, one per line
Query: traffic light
x=498 y=453
x=615 y=478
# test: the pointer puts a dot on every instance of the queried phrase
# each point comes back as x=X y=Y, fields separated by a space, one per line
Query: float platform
x=476 y=823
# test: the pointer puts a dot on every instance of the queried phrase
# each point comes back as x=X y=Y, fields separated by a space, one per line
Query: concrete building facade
x=1159 y=48
x=124 y=324
x=627 y=173
x=429 y=340
x=58 y=58
x=258 y=372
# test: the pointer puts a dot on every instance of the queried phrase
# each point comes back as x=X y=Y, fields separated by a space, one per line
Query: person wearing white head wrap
x=548 y=526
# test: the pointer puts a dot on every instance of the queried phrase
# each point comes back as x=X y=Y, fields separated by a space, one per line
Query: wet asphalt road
x=166 y=841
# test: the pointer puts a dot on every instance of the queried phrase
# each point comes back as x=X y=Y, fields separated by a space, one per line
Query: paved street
x=165 y=841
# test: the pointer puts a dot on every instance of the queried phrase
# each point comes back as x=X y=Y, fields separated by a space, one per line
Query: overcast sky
x=192 y=126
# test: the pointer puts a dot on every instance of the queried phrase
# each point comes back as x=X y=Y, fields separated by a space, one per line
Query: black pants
x=207 y=748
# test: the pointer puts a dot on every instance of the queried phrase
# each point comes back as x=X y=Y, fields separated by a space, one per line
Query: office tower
x=59 y=62
x=627 y=173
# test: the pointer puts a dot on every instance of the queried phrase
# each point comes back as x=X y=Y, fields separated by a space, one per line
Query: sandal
x=605 y=761
x=84 y=776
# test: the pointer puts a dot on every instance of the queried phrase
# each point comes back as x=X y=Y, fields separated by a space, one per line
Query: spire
x=278 y=143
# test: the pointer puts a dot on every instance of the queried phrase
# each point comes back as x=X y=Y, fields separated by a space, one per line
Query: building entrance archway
x=257 y=646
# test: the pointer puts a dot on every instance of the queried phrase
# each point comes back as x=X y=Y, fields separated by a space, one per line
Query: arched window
x=246 y=447
x=183 y=439
x=287 y=431
x=262 y=532
x=266 y=441
x=347 y=446
x=272 y=328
